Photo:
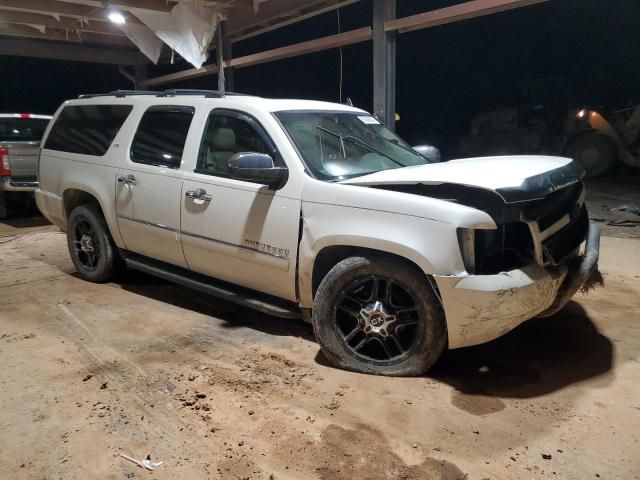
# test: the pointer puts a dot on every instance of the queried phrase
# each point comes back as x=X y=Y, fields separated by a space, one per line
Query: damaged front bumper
x=480 y=308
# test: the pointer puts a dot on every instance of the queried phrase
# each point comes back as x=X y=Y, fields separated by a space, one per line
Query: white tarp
x=143 y=38
x=188 y=29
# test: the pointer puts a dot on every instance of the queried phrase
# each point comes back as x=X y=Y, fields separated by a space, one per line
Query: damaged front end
x=530 y=265
x=545 y=231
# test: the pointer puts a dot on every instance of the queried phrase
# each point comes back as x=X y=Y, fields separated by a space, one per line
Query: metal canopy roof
x=80 y=29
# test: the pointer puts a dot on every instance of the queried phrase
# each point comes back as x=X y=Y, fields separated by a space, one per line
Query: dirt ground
x=144 y=367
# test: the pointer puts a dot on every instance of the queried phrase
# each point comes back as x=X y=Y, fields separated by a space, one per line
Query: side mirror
x=258 y=168
x=431 y=153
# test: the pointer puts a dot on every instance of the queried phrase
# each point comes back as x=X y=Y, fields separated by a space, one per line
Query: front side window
x=161 y=136
x=339 y=145
x=87 y=129
x=22 y=129
x=227 y=134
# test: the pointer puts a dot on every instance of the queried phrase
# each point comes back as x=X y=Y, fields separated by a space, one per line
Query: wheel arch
x=331 y=255
x=316 y=262
x=75 y=195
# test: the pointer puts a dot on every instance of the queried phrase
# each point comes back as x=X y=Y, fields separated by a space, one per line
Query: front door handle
x=128 y=179
x=198 y=194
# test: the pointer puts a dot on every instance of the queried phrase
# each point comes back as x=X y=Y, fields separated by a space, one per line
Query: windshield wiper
x=396 y=143
x=360 y=142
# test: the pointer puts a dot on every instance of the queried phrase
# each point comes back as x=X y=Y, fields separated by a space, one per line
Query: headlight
x=467 y=241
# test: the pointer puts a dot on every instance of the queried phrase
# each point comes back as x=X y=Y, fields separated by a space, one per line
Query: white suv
x=308 y=209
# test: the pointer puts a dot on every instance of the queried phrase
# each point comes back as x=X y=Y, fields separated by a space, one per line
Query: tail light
x=5 y=169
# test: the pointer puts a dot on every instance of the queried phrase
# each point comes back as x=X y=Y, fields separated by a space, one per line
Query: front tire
x=91 y=247
x=378 y=315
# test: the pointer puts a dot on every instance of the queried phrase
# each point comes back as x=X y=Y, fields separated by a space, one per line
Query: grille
x=559 y=246
x=517 y=243
x=554 y=206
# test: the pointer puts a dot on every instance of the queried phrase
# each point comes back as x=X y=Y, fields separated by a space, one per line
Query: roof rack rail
x=131 y=93
x=206 y=93
x=173 y=92
x=120 y=93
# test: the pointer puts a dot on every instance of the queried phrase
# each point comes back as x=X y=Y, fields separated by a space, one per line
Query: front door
x=235 y=230
x=149 y=191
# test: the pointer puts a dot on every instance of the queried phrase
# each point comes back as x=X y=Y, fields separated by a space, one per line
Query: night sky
x=587 y=51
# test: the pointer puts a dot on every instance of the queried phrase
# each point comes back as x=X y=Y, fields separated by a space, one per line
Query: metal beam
x=154 y=5
x=443 y=16
x=312 y=46
x=384 y=63
x=455 y=13
x=29 y=18
x=56 y=7
x=66 y=51
x=264 y=25
x=62 y=35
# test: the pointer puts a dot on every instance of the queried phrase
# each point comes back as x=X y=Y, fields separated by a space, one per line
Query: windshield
x=339 y=145
x=22 y=129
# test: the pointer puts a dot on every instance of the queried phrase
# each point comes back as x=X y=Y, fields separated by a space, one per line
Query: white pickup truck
x=310 y=209
x=20 y=135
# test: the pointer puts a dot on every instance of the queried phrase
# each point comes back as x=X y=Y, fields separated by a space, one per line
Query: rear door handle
x=128 y=179
x=198 y=194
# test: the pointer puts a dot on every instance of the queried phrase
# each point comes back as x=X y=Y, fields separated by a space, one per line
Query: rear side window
x=161 y=136
x=87 y=129
x=22 y=129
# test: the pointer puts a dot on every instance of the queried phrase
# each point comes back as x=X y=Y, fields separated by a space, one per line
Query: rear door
x=235 y=230
x=148 y=191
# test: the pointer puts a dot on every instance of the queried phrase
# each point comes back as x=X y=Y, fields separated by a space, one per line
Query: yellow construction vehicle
x=598 y=140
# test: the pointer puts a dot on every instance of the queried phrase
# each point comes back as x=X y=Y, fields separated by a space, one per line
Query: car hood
x=515 y=178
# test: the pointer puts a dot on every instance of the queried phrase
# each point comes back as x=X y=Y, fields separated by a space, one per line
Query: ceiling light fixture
x=117 y=18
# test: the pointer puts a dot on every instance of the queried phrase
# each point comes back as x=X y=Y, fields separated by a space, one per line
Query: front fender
x=431 y=245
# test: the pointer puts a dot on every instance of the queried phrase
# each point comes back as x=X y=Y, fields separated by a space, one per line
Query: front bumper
x=9 y=184
x=480 y=308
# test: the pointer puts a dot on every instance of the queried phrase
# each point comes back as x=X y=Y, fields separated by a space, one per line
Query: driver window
x=224 y=136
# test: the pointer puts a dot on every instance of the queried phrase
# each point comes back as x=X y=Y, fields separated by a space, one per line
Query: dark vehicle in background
x=597 y=138
x=606 y=138
x=540 y=118
x=20 y=135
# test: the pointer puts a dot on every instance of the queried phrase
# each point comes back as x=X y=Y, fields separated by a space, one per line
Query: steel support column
x=220 y=58
x=227 y=57
x=139 y=75
x=384 y=63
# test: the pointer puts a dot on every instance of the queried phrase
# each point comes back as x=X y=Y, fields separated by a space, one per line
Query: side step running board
x=242 y=296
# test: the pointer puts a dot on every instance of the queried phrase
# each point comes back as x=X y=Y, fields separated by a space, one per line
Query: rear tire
x=91 y=247
x=380 y=316
x=595 y=152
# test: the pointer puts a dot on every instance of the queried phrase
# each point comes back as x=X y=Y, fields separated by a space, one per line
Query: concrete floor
x=143 y=367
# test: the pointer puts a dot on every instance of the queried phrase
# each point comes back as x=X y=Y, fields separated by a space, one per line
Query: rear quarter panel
x=60 y=172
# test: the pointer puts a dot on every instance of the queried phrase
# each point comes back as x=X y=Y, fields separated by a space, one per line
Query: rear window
x=87 y=129
x=161 y=136
x=22 y=129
